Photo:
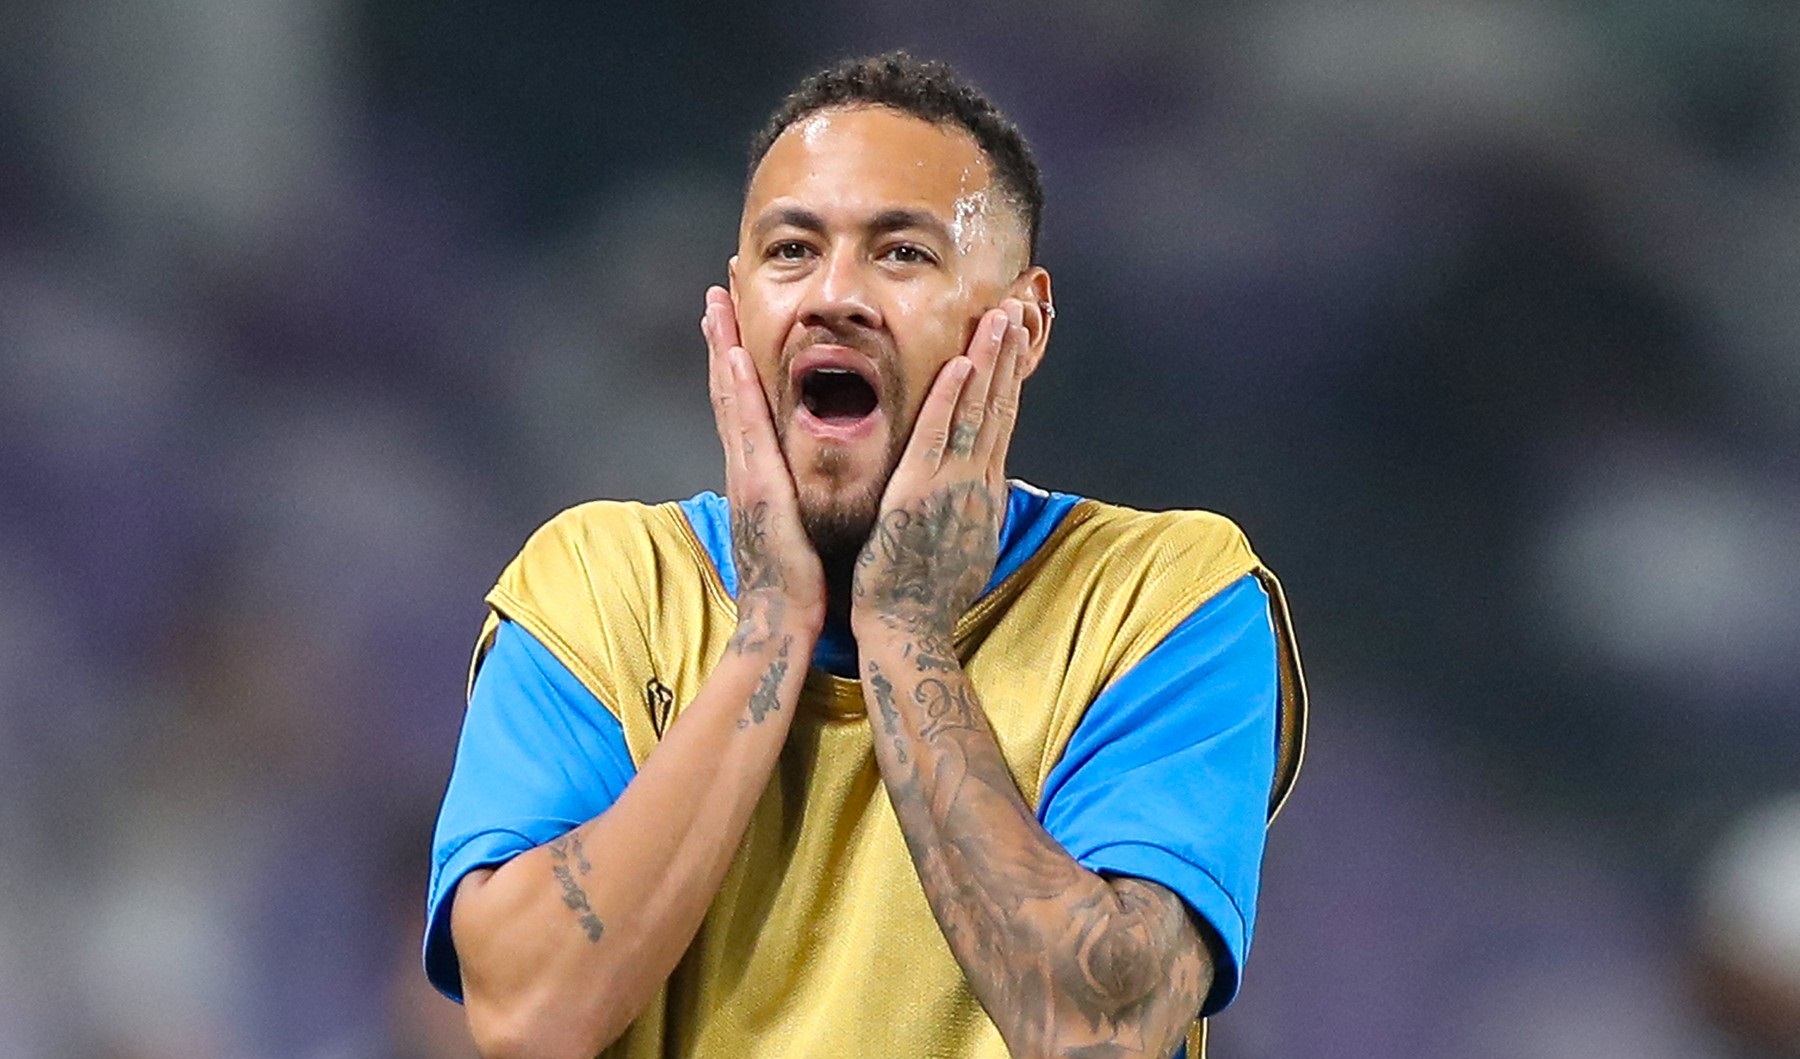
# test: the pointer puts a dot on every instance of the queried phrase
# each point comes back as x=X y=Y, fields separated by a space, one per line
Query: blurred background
x=1481 y=318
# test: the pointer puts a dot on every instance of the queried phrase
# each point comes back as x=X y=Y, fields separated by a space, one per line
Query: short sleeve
x=1167 y=777
x=539 y=756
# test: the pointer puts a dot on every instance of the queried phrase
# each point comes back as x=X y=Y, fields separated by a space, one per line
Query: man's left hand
x=936 y=539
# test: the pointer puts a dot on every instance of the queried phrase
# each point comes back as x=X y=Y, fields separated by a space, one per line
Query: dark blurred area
x=1481 y=318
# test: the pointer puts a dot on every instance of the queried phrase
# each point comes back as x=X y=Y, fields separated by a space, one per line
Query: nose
x=841 y=295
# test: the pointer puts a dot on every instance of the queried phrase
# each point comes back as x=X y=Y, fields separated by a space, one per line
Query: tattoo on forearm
x=928 y=662
x=1065 y=962
x=947 y=707
x=766 y=699
x=890 y=716
x=571 y=860
x=1062 y=959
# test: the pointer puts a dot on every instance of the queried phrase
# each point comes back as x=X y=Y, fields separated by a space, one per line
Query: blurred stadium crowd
x=1480 y=317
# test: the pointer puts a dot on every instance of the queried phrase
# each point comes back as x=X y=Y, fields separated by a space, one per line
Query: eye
x=789 y=250
x=909 y=254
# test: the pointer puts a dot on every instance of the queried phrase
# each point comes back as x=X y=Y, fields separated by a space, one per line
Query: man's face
x=871 y=243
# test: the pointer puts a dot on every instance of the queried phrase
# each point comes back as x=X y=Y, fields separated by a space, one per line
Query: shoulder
x=1204 y=549
x=1117 y=580
x=1162 y=570
x=1180 y=525
x=601 y=541
x=622 y=594
x=599 y=523
x=602 y=563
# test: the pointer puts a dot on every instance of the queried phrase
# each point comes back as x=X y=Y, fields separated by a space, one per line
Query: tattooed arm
x=562 y=946
x=1065 y=961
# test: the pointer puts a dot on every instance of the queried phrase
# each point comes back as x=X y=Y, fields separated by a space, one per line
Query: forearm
x=1065 y=961
x=566 y=943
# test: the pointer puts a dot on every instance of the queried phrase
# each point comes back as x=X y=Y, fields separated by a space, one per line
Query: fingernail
x=1015 y=312
x=998 y=327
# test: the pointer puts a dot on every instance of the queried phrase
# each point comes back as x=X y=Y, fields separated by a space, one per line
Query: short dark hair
x=930 y=91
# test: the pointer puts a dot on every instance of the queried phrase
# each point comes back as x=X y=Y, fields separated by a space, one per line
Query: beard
x=839 y=518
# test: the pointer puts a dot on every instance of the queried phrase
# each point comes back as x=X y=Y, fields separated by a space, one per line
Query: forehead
x=867 y=159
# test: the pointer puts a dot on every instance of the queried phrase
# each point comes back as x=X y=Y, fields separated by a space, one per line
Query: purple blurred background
x=1483 y=319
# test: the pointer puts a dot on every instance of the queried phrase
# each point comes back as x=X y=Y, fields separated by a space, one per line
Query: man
x=878 y=754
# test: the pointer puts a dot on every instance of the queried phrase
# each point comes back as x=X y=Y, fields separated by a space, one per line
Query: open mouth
x=837 y=395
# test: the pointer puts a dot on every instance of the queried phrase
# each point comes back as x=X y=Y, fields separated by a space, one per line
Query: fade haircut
x=930 y=91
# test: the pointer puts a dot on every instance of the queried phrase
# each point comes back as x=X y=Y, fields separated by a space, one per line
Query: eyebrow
x=901 y=219
x=787 y=217
x=890 y=220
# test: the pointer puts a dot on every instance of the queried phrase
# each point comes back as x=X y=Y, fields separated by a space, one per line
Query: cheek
x=762 y=330
x=764 y=314
x=938 y=325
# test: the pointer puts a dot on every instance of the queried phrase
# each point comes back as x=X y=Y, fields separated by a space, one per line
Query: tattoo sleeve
x=1065 y=961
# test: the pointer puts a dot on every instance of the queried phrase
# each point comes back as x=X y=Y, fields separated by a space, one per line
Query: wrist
x=883 y=633
x=760 y=674
x=902 y=619
x=770 y=617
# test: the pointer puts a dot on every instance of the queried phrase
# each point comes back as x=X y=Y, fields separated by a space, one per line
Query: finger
x=931 y=431
x=755 y=426
x=719 y=299
x=714 y=381
x=724 y=398
x=1003 y=396
x=984 y=350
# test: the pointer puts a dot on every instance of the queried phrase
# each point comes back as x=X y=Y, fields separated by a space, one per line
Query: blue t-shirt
x=1166 y=777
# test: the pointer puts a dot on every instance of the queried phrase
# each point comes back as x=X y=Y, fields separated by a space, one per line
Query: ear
x=731 y=278
x=1033 y=288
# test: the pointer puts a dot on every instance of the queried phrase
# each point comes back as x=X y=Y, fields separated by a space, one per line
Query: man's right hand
x=781 y=584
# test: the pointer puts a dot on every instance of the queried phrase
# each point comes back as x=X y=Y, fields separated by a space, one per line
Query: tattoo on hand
x=756 y=567
x=766 y=699
x=761 y=606
x=571 y=860
x=962 y=439
x=925 y=563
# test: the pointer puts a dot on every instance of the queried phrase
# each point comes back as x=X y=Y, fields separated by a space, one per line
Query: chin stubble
x=837 y=524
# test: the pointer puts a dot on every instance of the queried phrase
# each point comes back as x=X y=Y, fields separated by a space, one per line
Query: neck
x=840 y=575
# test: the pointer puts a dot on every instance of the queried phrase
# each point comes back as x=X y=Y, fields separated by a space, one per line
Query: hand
x=781 y=585
x=936 y=539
